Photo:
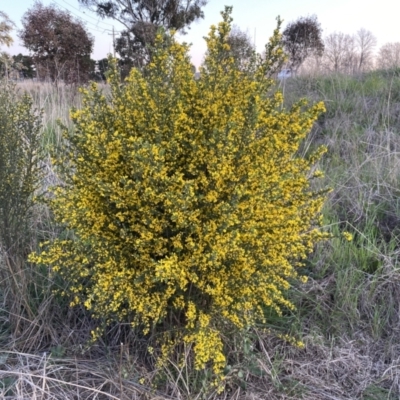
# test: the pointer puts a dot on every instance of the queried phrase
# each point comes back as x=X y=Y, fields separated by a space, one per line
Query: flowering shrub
x=186 y=197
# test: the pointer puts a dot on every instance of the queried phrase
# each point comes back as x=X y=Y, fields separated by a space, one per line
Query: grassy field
x=347 y=313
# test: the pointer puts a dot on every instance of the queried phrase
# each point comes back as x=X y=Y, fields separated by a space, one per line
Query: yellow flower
x=348 y=236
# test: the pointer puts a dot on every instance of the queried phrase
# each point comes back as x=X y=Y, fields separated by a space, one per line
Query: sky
x=257 y=17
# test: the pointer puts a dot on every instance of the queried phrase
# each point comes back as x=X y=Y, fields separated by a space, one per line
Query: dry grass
x=45 y=377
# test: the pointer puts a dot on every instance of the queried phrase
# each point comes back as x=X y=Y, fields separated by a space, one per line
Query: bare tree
x=366 y=43
x=389 y=56
x=351 y=55
x=6 y=26
x=340 y=53
x=334 y=53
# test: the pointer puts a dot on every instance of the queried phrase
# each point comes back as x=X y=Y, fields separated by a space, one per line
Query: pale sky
x=257 y=17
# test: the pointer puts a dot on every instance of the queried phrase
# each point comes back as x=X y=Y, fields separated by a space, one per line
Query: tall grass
x=56 y=103
x=347 y=314
x=352 y=299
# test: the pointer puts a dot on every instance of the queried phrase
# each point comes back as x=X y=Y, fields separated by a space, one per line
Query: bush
x=20 y=177
x=20 y=160
x=185 y=197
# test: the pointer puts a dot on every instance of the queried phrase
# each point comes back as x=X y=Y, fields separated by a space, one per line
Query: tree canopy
x=25 y=65
x=60 y=45
x=142 y=19
x=301 y=39
x=6 y=26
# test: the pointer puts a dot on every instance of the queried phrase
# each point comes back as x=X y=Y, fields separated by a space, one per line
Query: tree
x=60 y=46
x=10 y=66
x=241 y=47
x=389 y=56
x=6 y=26
x=142 y=19
x=99 y=70
x=366 y=43
x=25 y=65
x=340 y=53
x=133 y=51
x=301 y=39
x=5 y=64
x=190 y=204
x=103 y=66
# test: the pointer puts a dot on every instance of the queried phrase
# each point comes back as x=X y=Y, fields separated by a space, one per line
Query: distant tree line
x=337 y=52
x=351 y=54
x=60 y=46
x=21 y=67
x=346 y=53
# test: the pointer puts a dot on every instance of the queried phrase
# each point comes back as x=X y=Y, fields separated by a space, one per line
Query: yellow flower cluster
x=186 y=197
x=348 y=236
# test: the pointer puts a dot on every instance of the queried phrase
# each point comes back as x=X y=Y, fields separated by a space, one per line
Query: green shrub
x=185 y=197
x=19 y=164
x=20 y=177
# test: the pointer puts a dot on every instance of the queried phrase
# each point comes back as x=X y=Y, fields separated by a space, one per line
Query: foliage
x=172 y=14
x=20 y=177
x=185 y=198
x=142 y=19
x=26 y=65
x=301 y=39
x=19 y=165
x=5 y=64
x=60 y=46
x=6 y=26
x=15 y=67
x=103 y=66
x=134 y=48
